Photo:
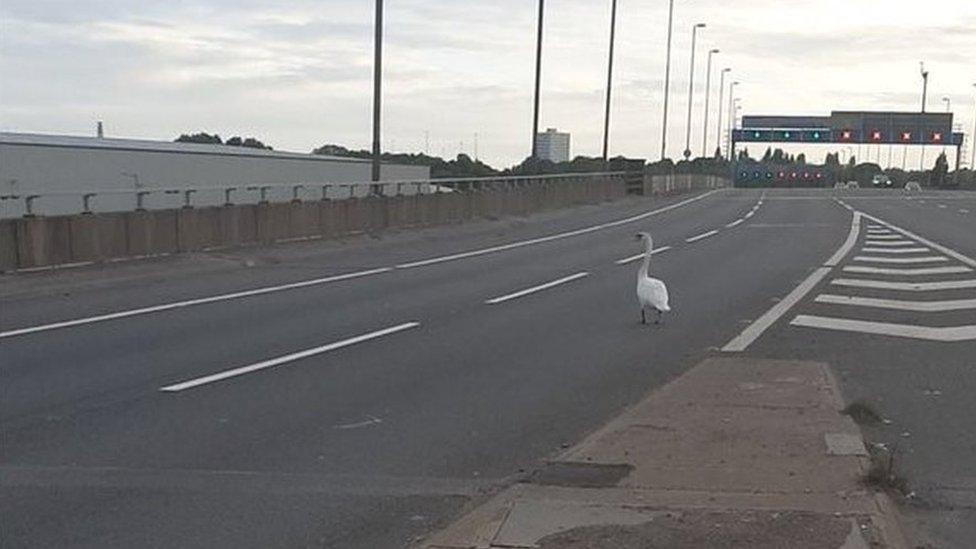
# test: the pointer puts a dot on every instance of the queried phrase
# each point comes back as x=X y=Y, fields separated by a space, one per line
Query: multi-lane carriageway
x=359 y=394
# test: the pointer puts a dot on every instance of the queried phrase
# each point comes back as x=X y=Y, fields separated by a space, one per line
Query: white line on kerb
x=905 y=286
x=534 y=289
x=191 y=303
x=953 y=333
x=898 y=304
x=907 y=272
x=895 y=250
x=735 y=223
x=701 y=236
x=633 y=258
x=175 y=388
x=577 y=232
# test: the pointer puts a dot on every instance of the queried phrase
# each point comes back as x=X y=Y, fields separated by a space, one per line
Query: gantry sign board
x=854 y=127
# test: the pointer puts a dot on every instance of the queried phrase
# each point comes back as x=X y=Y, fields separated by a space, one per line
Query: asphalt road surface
x=360 y=394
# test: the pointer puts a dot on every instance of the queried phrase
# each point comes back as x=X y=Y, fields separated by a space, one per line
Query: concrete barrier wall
x=39 y=242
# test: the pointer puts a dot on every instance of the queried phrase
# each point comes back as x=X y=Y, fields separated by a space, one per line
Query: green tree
x=202 y=137
x=940 y=171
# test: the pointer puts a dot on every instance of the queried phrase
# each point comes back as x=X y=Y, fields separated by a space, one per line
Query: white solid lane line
x=633 y=258
x=895 y=250
x=954 y=333
x=534 y=289
x=756 y=329
x=191 y=303
x=577 y=232
x=905 y=286
x=735 y=223
x=742 y=341
x=907 y=272
x=903 y=260
x=183 y=386
x=899 y=304
x=848 y=244
x=749 y=214
x=701 y=236
x=347 y=276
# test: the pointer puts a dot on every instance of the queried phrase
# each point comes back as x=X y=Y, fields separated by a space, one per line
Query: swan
x=651 y=292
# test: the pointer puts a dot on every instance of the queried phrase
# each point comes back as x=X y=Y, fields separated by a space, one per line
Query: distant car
x=853 y=185
x=881 y=181
x=840 y=185
x=913 y=186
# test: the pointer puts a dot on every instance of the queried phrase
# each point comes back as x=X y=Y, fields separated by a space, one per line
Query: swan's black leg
x=659 y=313
x=643 y=318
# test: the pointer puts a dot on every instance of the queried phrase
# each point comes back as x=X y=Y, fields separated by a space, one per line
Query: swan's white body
x=652 y=294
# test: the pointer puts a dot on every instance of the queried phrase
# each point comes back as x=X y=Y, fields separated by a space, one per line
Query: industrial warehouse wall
x=38 y=242
x=62 y=168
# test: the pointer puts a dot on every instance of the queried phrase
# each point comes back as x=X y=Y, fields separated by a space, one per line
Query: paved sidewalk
x=734 y=453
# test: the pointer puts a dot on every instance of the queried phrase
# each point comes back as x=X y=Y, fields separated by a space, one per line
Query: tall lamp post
x=972 y=139
x=377 y=96
x=691 y=87
x=708 y=93
x=606 y=117
x=925 y=83
x=721 y=103
x=731 y=117
x=667 y=83
x=948 y=103
x=538 y=80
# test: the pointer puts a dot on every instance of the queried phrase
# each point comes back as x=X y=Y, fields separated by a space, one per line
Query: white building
x=553 y=145
x=60 y=169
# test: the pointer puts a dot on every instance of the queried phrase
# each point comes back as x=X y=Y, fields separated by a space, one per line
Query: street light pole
x=708 y=92
x=925 y=83
x=721 y=103
x=948 y=103
x=377 y=97
x=972 y=139
x=667 y=82
x=538 y=80
x=606 y=118
x=691 y=88
x=731 y=117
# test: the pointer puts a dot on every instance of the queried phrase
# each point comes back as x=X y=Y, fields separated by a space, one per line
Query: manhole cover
x=581 y=475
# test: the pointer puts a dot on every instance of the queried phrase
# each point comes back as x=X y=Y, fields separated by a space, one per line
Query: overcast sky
x=297 y=74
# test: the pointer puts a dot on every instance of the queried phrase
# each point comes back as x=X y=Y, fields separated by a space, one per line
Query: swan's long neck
x=646 y=265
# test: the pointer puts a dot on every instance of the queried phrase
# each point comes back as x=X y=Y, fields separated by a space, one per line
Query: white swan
x=652 y=294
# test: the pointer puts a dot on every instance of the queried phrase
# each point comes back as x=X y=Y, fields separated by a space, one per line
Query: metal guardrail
x=299 y=191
